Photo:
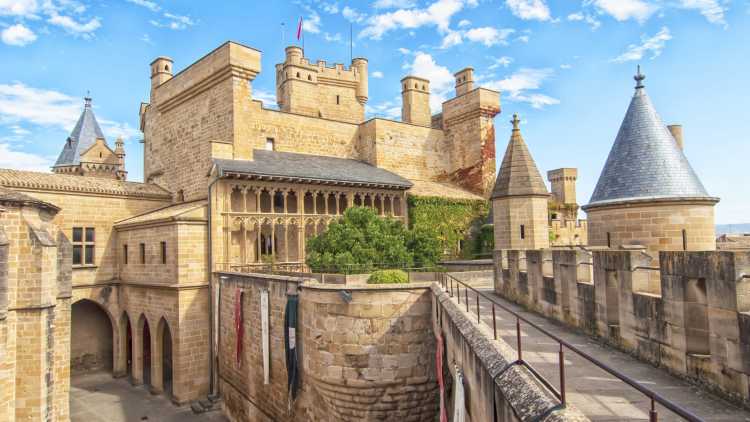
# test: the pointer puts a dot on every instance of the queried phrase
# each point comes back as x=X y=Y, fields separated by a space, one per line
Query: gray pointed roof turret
x=645 y=161
x=518 y=175
x=83 y=136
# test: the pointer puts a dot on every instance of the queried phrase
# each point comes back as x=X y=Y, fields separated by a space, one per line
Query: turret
x=120 y=153
x=360 y=65
x=294 y=54
x=415 y=105
x=464 y=81
x=161 y=71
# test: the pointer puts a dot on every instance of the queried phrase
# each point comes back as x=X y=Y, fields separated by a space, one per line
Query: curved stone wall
x=372 y=358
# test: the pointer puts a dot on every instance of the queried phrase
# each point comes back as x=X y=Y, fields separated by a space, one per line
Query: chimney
x=464 y=81
x=676 y=131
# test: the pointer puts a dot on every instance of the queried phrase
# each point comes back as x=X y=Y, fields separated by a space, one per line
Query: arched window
x=298 y=74
x=309 y=77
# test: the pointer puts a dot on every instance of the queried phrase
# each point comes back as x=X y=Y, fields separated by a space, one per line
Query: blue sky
x=565 y=66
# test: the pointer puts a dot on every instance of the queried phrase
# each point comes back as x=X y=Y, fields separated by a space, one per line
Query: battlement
x=315 y=89
x=686 y=311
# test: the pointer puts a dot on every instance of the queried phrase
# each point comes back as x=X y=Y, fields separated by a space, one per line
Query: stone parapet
x=689 y=314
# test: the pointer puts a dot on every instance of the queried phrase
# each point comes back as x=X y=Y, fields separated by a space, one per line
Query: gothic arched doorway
x=91 y=327
x=165 y=337
x=146 y=336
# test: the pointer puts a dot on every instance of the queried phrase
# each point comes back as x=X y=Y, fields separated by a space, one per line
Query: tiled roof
x=194 y=210
x=84 y=135
x=441 y=189
x=273 y=165
x=518 y=175
x=9 y=195
x=73 y=183
x=645 y=161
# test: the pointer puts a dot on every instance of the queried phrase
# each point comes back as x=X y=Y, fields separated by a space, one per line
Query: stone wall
x=520 y=222
x=657 y=226
x=688 y=315
x=369 y=359
x=495 y=388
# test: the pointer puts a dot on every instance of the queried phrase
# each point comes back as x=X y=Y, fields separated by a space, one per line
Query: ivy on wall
x=450 y=219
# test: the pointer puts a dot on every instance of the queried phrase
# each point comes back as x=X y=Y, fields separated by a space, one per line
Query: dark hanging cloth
x=290 y=344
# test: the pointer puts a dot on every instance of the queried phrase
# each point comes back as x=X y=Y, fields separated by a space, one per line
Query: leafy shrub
x=388 y=277
x=360 y=242
x=450 y=219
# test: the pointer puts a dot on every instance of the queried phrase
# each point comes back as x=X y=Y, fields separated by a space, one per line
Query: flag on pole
x=299 y=29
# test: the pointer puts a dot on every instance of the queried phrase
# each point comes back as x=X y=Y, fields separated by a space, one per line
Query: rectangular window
x=143 y=253
x=523 y=232
x=609 y=240
x=83 y=245
x=338 y=100
x=270 y=144
x=163 y=252
x=125 y=254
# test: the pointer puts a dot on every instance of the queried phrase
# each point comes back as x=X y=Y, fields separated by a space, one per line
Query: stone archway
x=124 y=362
x=164 y=347
x=145 y=334
x=93 y=330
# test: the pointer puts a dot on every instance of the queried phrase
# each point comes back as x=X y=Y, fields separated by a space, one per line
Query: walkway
x=97 y=397
x=597 y=394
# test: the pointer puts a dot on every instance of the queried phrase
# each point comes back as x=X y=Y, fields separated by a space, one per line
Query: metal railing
x=452 y=286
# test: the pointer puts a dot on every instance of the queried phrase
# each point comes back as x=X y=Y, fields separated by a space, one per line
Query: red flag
x=299 y=29
x=238 y=324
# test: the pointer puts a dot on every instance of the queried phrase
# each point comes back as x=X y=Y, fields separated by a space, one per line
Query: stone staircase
x=210 y=403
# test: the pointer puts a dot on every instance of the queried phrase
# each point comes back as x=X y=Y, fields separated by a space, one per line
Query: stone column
x=244 y=199
x=259 y=239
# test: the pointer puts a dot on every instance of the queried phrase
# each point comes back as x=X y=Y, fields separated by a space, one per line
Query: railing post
x=652 y=415
x=494 y=323
x=518 y=338
x=562 y=375
x=466 y=290
x=477 y=308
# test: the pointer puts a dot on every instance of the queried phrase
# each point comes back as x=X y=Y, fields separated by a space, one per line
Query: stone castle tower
x=86 y=152
x=320 y=91
x=519 y=199
x=648 y=194
x=563 y=181
x=415 y=101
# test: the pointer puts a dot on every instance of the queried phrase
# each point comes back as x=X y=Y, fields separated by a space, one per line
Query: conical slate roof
x=83 y=136
x=645 y=161
x=518 y=174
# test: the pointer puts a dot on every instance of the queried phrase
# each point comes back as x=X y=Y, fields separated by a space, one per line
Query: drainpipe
x=212 y=311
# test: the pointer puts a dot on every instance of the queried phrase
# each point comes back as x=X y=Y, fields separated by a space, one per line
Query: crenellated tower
x=335 y=93
x=415 y=101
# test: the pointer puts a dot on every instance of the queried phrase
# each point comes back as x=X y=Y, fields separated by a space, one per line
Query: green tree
x=360 y=242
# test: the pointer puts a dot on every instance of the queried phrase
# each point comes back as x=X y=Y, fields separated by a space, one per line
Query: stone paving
x=597 y=394
x=97 y=397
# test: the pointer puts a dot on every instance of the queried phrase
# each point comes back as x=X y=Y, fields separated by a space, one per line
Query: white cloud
x=529 y=9
x=20 y=160
x=712 y=10
x=623 y=10
x=523 y=38
x=377 y=74
x=332 y=38
x=464 y=23
x=174 y=22
x=503 y=61
x=654 y=45
x=145 y=38
x=352 y=15
x=593 y=22
x=331 y=8
x=515 y=87
x=148 y=4
x=403 y=50
x=488 y=35
x=390 y=4
x=268 y=98
x=386 y=109
x=451 y=39
x=312 y=23
x=566 y=66
x=441 y=79
x=83 y=29
x=18 y=35
x=20 y=103
x=437 y=14
x=22 y=8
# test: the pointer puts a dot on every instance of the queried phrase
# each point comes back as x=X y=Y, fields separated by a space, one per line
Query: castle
x=130 y=270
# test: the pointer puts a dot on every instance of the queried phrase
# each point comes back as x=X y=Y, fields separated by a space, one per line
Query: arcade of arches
x=272 y=221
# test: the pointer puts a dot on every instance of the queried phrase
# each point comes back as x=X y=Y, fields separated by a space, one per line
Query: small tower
x=563 y=183
x=464 y=81
x=519 y=199
x=647 y=193
x=415 y=105
x=359 y=64
x=161 y=71
x=120 y=153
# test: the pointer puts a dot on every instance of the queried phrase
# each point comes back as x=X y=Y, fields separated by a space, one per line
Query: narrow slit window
x=609 y=240
x=163 y=252
x=143 y=253
x=125 y=254
x=523 y=231
x=684 y=239
x=338 y=100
